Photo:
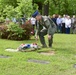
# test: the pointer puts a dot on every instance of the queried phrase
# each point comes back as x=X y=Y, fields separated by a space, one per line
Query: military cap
x=35 y=13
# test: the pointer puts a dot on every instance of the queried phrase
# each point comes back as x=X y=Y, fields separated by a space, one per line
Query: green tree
x=25 y=7
x=58 y=6
x=63 y=6
x=16 y=8
x=9 y=2
x=21 y=7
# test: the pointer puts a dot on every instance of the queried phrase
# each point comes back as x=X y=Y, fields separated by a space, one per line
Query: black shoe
x=50 y=46
x=44 y=46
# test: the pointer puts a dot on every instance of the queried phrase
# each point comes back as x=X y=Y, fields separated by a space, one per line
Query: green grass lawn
x=61 y=63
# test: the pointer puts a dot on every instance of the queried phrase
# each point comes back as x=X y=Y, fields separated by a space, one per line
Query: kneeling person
x=44 y=26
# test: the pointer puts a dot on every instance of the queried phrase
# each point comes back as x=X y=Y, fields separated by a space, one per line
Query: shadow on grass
x=65 y=50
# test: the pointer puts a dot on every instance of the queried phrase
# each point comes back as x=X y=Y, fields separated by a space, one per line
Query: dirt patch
x=48 y=53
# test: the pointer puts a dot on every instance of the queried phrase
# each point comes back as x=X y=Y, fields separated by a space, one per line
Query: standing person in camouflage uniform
x=44 y=26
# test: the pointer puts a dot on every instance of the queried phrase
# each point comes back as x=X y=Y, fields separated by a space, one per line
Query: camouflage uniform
x=74 y=28
x=46 y=26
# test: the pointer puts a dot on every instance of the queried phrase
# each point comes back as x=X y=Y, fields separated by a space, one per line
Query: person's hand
x=36 y=37
x=49 y=37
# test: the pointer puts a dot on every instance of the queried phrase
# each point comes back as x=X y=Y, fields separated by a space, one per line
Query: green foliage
x=46 y=2
x=42 y=1
x=62 y=7
x=15 y=31
x=16 y=8
x=7 y=7
x=2 y=19
x=35 y=7
x=9 y=2
x=12 y=27
x=9 y=11
x=25 y=7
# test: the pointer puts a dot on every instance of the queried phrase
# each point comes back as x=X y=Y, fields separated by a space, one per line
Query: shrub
x=28 y=27
x=15 y=32
x=3 y=32
x=2 y=19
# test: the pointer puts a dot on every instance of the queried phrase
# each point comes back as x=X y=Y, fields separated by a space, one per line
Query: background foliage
x=16 y=8
x=60 y=6
x=63 y=6
x=27 y=7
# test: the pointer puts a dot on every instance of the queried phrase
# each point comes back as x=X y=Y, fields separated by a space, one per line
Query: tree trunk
x=46 y=9
x=33 y=2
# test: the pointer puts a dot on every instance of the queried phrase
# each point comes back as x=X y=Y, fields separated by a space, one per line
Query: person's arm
x=52 y=27
x=37 y=27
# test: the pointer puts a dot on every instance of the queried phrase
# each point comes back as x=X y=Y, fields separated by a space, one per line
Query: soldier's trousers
x=42 y=39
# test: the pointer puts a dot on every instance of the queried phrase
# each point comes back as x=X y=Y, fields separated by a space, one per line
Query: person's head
x=68 y=17
x=36 y=15
x=59 y=16
x=53 y=16
x=64 y=15
x=73 y=16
